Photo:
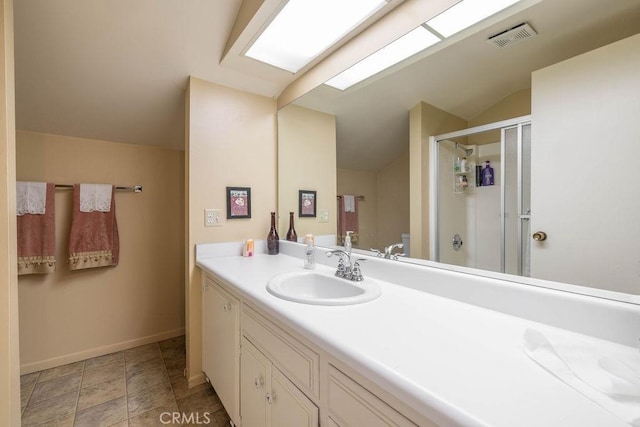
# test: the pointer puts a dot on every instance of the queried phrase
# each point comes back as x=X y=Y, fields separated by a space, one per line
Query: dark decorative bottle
x=273 y=244
x=291 y=234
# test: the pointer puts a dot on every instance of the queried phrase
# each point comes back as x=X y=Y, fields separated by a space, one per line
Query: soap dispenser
x=347 y=242
x=310 y=253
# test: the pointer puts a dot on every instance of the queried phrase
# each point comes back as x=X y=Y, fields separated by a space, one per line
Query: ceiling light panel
x=465 y=14
x=401 y=49
x=305 y=28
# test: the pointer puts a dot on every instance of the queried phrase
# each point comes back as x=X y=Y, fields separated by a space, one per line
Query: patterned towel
x=36 y=228
x=94 y=240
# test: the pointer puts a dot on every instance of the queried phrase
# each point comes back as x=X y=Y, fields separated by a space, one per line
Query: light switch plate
x=324 y=215
x=213 y=217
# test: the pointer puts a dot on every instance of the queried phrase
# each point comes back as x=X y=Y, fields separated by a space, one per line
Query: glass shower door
x=516 y=198
x=483 y=226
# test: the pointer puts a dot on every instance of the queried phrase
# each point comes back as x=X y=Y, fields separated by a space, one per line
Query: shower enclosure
x=480 y=197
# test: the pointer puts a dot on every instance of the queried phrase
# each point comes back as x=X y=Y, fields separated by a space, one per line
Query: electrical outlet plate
x=213 y=217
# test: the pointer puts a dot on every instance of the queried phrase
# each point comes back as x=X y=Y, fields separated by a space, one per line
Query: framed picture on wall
x=238 y=202
x=307 y=203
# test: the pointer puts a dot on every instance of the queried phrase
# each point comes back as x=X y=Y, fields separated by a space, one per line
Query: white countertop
x=453 y=362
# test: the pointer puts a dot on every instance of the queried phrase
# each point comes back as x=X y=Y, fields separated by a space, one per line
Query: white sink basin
x=312 y=287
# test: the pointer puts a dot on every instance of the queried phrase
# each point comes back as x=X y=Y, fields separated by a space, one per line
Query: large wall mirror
x=580 y=161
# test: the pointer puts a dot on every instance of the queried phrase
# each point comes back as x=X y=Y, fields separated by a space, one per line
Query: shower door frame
x=434 y=173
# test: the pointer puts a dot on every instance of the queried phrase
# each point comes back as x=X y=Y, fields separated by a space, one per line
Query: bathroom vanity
x=436 y=347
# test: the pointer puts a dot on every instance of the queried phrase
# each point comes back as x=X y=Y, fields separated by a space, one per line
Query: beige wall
x=424 y=121
x=70 y=315
x=307 y=161
x=230 y=141
x=362 y=183
x=384 y=214
x=393 y=201
x=515 y=105
x=9 y=337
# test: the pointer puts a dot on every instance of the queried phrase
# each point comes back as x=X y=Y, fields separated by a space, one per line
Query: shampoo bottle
x=487 y=174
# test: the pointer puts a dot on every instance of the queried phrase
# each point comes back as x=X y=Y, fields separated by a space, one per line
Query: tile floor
x=143 y=386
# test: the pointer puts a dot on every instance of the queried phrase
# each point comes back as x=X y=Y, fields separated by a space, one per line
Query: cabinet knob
x=259 y=382
x=271 y=397
x=539 y=236
x=226 y=307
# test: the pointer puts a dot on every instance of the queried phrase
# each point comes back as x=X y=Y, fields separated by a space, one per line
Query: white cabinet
x=221 y=344
x=268 y=398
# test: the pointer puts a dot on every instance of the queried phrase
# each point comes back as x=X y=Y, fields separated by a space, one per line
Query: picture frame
x=307 y=202
x=238 y=202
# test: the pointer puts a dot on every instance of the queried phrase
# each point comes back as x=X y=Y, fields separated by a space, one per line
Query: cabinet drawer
x=296 y=360
x=350 y=404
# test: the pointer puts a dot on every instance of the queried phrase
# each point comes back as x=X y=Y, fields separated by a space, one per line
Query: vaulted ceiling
x=117 y=70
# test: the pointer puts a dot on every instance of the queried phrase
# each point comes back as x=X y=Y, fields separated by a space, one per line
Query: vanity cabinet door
x=255 y=383
x=289 y=406
x=221 y=345
x=267 y=397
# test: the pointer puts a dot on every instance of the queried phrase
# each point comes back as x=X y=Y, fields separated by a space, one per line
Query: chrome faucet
x=388 y=251
x=347 y=269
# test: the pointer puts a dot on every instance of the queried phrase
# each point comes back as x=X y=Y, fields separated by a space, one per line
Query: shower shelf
x=458 y=187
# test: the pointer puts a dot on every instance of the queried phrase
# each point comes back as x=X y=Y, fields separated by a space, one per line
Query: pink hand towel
x=348 y=219
x=37 y=238
x=94 y=240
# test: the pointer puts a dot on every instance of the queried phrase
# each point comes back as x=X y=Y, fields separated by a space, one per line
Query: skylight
x=453 y=20
x=404 y=47
x=305 y=28
x=465 y=14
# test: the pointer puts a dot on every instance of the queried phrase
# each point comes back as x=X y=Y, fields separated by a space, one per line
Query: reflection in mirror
x=576 y=80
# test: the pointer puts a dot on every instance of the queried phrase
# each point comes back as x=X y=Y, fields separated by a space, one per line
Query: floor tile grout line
x=126 y=387
x=75 y=410
x=30 y=394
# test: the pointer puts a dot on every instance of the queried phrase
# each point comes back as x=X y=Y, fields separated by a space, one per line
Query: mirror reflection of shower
x=482 y=196
x=467 y=151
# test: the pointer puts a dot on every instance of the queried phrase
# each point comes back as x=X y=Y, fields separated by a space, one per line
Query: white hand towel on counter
x=95 y=197
x=31 y=197
x=612 y=383
x=349 y=203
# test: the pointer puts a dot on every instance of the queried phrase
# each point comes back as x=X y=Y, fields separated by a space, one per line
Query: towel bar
x=134 y=188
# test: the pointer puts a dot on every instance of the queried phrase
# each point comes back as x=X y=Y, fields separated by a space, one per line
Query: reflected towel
x=94 y=240
x=349 y=202
x=36 y=232
x=347 y=221
x=613 y=384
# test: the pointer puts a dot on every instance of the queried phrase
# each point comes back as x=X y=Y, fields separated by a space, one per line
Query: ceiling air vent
x=514 y=35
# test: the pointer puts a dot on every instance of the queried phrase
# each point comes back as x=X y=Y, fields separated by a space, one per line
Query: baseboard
x=196 y=379
x=28 y=368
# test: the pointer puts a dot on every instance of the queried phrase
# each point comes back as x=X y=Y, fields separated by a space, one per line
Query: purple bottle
x=487 y=174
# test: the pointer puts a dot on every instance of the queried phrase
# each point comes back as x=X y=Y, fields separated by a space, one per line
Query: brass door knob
x=539 y=236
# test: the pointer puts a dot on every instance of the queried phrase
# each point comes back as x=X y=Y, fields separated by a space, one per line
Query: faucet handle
x=395 y=256
x=356 y=274
x=377 y=252
x=342 y=270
